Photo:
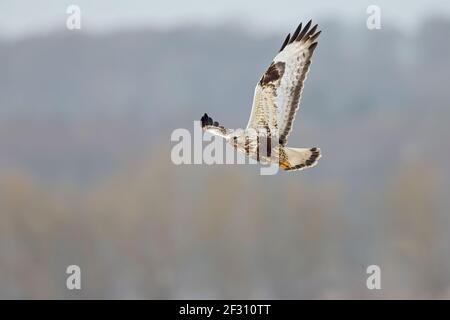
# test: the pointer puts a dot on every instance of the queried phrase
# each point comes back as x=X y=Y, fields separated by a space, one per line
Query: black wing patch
x=286 y=41
x=207 y=121
x=301 y=33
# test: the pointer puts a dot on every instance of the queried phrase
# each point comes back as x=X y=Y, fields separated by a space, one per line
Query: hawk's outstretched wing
x=278 y=93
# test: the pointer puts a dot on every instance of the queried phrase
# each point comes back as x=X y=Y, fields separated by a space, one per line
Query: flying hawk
x=275 y=104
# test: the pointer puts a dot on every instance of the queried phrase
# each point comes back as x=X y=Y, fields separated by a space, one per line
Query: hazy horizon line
x=228 y=23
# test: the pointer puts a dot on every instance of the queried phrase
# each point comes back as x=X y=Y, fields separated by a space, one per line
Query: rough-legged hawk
x=275 y=104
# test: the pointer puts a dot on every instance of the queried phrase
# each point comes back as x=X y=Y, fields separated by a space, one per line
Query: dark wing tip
x=204 y=120
x=315 y=36
x=286 y=41
x=208 y=121
x=297 y=31
x=304 y=31
x=311 y=32
x=312 y=47
x=301 y=33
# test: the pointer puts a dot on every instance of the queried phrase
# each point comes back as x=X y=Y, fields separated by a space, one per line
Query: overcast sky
x=24 y=17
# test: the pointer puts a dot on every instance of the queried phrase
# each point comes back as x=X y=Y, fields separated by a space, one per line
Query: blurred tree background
x=86 y=176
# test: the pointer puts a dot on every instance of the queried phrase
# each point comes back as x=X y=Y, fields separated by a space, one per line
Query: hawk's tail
x=299 y=158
